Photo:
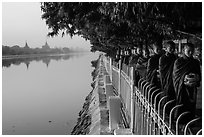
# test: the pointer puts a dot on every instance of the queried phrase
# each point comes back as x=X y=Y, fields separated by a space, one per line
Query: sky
x=21 y=22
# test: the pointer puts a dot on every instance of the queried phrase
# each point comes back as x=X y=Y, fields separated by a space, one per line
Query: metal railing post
x=155 y=117
x=178 y=119
x=132 y=98
x=119 y=79
x=171 y=113
x=159 y=115
x=111 y=71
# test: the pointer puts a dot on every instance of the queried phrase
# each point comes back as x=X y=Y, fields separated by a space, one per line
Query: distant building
x=46 y=46
x=26 y=49
x=26 y=46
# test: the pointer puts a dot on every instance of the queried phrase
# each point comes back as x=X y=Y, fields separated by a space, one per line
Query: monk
x=144 y=58
x=166 y=64
x=153 y=66
x=186 y=79
x=133 y=56
x=137 y=52
x=133 y=63
x=142 y=62
x=127 y=56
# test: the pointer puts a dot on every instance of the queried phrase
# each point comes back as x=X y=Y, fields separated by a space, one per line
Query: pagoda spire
x=46 y=43
x=46 y=46
x=26 y=44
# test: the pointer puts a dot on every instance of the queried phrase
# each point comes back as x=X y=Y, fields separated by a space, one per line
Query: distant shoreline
x=5 y=57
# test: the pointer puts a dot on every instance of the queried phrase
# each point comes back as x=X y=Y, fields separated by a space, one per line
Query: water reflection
x=45 y=59
x=44 y=100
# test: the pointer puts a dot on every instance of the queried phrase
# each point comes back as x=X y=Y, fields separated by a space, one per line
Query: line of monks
x=177 y=76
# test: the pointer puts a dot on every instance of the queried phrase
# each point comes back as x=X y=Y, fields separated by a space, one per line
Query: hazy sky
x=22 y=21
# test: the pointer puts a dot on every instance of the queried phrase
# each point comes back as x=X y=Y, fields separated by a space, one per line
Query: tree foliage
x=112 y=25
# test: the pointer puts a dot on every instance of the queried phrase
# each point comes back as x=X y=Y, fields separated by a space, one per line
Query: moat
x=44 y=95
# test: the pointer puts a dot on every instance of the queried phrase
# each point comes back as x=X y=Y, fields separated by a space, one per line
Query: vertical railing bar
x=152 y=109
x=143 y=89
x=177 y=121
x=170 y=115
x=152 y=95
x=132 y=99
x=147 y=91
x=119 y=79
x=155 y=110
x=147 y=108
x=141 y=86
x=164 y=109
x=111 y=71
x=159 y=104
x=159 y=117
x=155 y=99
x=139 y=82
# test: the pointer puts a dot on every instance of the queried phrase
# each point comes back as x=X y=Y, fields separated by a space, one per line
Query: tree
x=112 y=25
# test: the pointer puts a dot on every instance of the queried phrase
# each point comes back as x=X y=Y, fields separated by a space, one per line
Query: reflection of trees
x=6 y=63
x=45 y=59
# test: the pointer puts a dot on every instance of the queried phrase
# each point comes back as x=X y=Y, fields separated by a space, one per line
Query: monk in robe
x=186 y=79
x=127 y=56
x=166 y=64
x=135 y=55
x=122 y=56
x=153 y=66
x=144 y=58
x=133 y=63
x=142 y=62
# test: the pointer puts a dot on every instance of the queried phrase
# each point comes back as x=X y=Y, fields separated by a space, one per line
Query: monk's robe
x=185 y=95
x=133 y=63
x=166 y=65
x=134 y=59
x=152 y=67
x=142 y=66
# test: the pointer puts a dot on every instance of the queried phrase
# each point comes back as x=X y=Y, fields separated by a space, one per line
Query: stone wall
x=94 y=117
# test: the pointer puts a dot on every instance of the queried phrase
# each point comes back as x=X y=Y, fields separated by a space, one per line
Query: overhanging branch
x=193 y=35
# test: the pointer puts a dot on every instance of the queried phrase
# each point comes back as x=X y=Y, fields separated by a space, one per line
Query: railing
x=146 y=110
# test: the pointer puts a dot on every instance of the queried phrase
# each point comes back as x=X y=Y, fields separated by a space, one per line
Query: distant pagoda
x=26 y=46
x=46 y=46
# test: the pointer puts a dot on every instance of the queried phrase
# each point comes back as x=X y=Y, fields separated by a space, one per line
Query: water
x=43 y=96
